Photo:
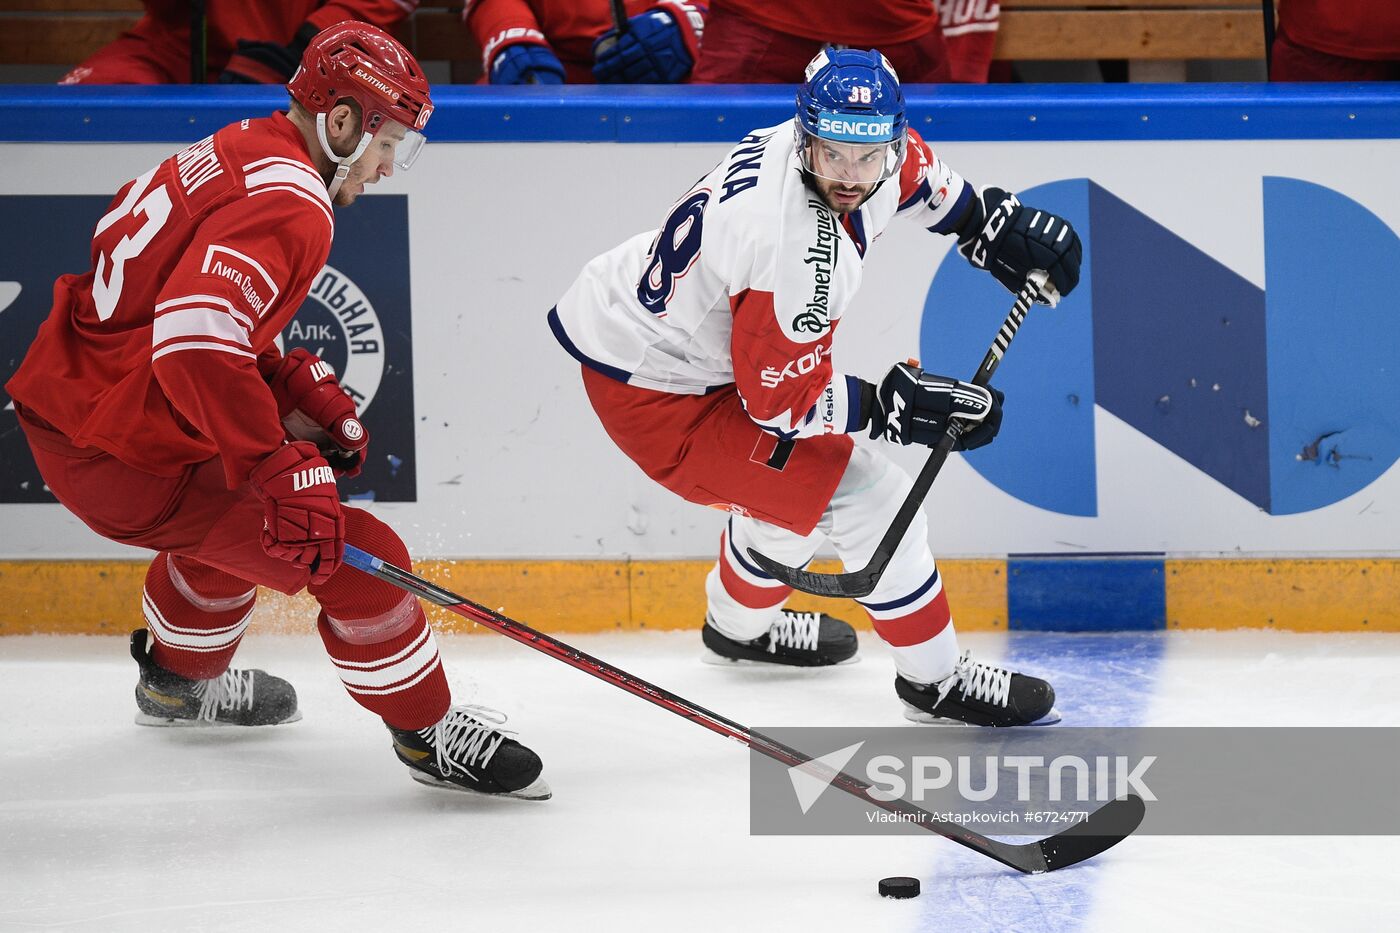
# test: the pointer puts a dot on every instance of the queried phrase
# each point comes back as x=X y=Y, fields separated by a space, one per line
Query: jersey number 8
x=675 y=250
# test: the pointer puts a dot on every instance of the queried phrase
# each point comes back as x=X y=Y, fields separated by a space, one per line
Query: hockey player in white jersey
x=706 y=353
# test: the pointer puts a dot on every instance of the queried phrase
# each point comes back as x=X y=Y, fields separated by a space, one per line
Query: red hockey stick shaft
x=1073 y=845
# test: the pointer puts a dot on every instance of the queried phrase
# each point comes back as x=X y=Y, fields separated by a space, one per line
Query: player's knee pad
x=197 y=611
x=362 y=609
x=744 y=534
x=207 y=587
x=865 y=503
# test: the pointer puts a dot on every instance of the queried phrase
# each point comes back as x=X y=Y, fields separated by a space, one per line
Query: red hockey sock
x=746 y=584
x=378 y=637
x=197 y=614
x=401 y=680
x=918 y=627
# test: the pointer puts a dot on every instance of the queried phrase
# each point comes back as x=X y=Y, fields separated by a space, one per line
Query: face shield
x=406 y=143
x=851 y=149
x=393 y=141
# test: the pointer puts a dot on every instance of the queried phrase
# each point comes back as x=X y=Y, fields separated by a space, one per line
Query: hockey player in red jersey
x=154 y=400
x=576 y=41
x=1337 y=40
x=251 y=42
x=706 y=353
x=768 y=41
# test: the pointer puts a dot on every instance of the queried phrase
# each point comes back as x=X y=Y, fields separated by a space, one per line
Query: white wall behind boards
x=512 y=463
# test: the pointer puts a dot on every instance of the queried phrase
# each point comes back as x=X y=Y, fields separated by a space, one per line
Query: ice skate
x=798 y=639
x=235 y=698
x=465 y=751
x=980 y=694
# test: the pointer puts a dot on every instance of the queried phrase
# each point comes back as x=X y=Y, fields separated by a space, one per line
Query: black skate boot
x=235 y=698
x=980 y=695
x=800 y=639
x=463 y=752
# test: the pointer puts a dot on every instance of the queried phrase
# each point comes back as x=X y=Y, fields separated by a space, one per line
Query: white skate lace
x=795 y=629
x=229 y=692
x=985 y=682
x=463 y=741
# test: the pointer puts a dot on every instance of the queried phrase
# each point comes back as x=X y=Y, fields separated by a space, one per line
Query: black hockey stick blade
x=1104 y=829
x=851 y=585
x=862 y=582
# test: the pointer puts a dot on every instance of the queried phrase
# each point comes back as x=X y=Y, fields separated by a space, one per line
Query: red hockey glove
x=302 y=521
x=313 y=407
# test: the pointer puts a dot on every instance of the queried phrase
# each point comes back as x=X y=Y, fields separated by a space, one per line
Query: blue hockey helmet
x=852 y=103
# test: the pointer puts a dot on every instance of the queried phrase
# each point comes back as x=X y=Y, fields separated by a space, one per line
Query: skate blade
x=710 y=657
x=539 y=790
x=914 y=714
x=146 y=719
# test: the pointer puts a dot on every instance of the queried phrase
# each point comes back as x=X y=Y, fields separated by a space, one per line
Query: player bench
x=1140 y=31
x=64 y=32
x=60 y=32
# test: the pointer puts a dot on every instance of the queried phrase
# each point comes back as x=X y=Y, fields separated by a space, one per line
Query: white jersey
x=745 y=283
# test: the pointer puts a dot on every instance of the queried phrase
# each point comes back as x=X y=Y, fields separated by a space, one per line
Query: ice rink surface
x=107 y=826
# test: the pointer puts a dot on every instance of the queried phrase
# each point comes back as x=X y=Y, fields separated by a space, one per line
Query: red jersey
x=1365 y=29
x=970 y=35
x=262 y=20
x=865 y=25
x=569 y=27
x=152 y=355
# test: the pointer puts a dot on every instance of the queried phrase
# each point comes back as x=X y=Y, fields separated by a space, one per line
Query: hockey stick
x=619 y=15
x=1104 y=827
x=862 y=582
x=199 y=43
x=1268 y=38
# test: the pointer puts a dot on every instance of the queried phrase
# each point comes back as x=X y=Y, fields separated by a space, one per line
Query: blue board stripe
x=1071 y=594
x=661 y=113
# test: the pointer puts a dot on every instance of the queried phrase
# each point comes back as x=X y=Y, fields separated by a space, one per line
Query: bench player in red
x=154 y=400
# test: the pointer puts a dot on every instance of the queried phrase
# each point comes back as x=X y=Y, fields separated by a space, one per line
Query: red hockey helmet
x=369 y=66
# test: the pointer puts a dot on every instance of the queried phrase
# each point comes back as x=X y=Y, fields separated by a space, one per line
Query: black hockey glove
x=267 y=62
x=1009 y=240
x=910 y=406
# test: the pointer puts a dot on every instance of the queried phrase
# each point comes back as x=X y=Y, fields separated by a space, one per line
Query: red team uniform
x=567 y=28
x=157 y=49
x=1337 y=40
x=762 y=41
x=154 y=397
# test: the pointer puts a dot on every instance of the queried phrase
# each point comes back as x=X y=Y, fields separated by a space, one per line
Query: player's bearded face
x=845 y=173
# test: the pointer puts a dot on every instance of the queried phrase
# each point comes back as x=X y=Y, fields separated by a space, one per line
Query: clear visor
x=853 y=163
x=405 y=143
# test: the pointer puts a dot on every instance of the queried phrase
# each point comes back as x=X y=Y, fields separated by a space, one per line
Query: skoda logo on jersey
x=855 y=129
x=348 y=334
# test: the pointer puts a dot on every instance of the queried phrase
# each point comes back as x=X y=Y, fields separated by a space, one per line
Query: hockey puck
x=899 y=887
